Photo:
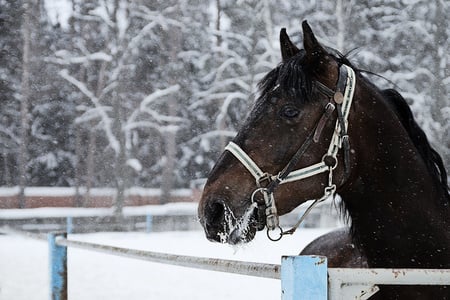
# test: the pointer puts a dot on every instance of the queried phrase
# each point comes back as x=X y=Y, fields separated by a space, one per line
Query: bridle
x=339 y=100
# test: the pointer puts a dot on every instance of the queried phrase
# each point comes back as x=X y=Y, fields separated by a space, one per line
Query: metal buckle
x=329 y=190
x=272 y=220
x=264 y=177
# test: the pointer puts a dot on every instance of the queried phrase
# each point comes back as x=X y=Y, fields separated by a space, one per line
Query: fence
x=145 y=221
x=302 y=277
x=173 y=216
x=35 y=197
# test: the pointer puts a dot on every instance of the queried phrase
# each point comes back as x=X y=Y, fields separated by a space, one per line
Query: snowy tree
x=51 y=136
x=10 y=78
x=239 y=55
x=127 y=102
x=148 y=93
x=405 y=42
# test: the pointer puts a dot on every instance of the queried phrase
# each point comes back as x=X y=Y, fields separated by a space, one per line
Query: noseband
x=341 y=100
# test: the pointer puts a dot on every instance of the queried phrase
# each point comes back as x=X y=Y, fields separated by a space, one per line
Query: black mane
x=430 y=156
x=291 y=79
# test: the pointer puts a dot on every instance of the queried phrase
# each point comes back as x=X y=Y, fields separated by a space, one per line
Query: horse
x=319 y=128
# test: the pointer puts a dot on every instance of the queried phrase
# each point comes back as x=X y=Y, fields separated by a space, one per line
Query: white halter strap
x=320 y=167
x=240 y=154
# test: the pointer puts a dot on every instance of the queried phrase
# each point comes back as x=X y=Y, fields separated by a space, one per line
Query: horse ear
x=288 y=49
x=312 y=46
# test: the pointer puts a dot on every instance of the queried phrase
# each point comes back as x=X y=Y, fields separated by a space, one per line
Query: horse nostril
x=215 y=213
x=213 y=220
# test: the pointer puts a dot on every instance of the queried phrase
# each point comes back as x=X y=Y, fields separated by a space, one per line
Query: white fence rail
x=346 y=283
x=204 y=263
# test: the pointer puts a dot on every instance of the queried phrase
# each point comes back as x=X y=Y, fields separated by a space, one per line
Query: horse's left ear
x=313 y=48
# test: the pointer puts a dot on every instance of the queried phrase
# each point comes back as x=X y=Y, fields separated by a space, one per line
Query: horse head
x=294 y=126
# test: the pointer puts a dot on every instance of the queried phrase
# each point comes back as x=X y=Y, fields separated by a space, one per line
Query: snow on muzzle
x=222 y=225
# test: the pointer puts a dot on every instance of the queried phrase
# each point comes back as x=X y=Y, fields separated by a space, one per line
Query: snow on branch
x=238 y=81
x=228 y=63
x=142 y=124
x=163 y=118
x=446 y=81
x=224 y=108
x=410 y=75
x=205 y=98
x=135 y=164
x=106 y=120
x=159 y=16
x=158 y=20
x=102 y=13
x=63 y=57
x=212 y=134
x=91 y=114
x=143 y=107
x=245 y=40
x=10 y=133
x=158 y=94
x=80 y=85
x=157 y=116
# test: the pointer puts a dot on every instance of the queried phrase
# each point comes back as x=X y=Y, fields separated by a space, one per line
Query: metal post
x=58 y=267
x=304 y=278
x=69 y=225
x=148 y=223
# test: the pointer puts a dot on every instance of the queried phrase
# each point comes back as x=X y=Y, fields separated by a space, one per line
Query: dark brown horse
x=318 y=128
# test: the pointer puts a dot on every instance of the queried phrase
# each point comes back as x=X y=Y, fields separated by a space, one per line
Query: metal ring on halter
x=275 y=239
x=335 y=161
x=261 y=190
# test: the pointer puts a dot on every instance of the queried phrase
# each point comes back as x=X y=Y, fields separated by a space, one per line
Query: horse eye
x=289 y=112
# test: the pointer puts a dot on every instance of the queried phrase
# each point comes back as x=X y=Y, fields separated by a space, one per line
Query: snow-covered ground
x=24 y=268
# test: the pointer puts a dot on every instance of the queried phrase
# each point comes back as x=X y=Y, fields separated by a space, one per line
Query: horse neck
x=400 y=215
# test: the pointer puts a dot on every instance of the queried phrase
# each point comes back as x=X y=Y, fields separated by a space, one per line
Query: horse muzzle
x=223 y=225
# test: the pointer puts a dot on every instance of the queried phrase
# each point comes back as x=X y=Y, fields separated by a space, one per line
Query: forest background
x=122 y=93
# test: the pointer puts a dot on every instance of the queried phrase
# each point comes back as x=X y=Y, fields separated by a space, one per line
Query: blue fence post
x=148 y=223
x=58 y=267
x=304 y=278
x=69 y=225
